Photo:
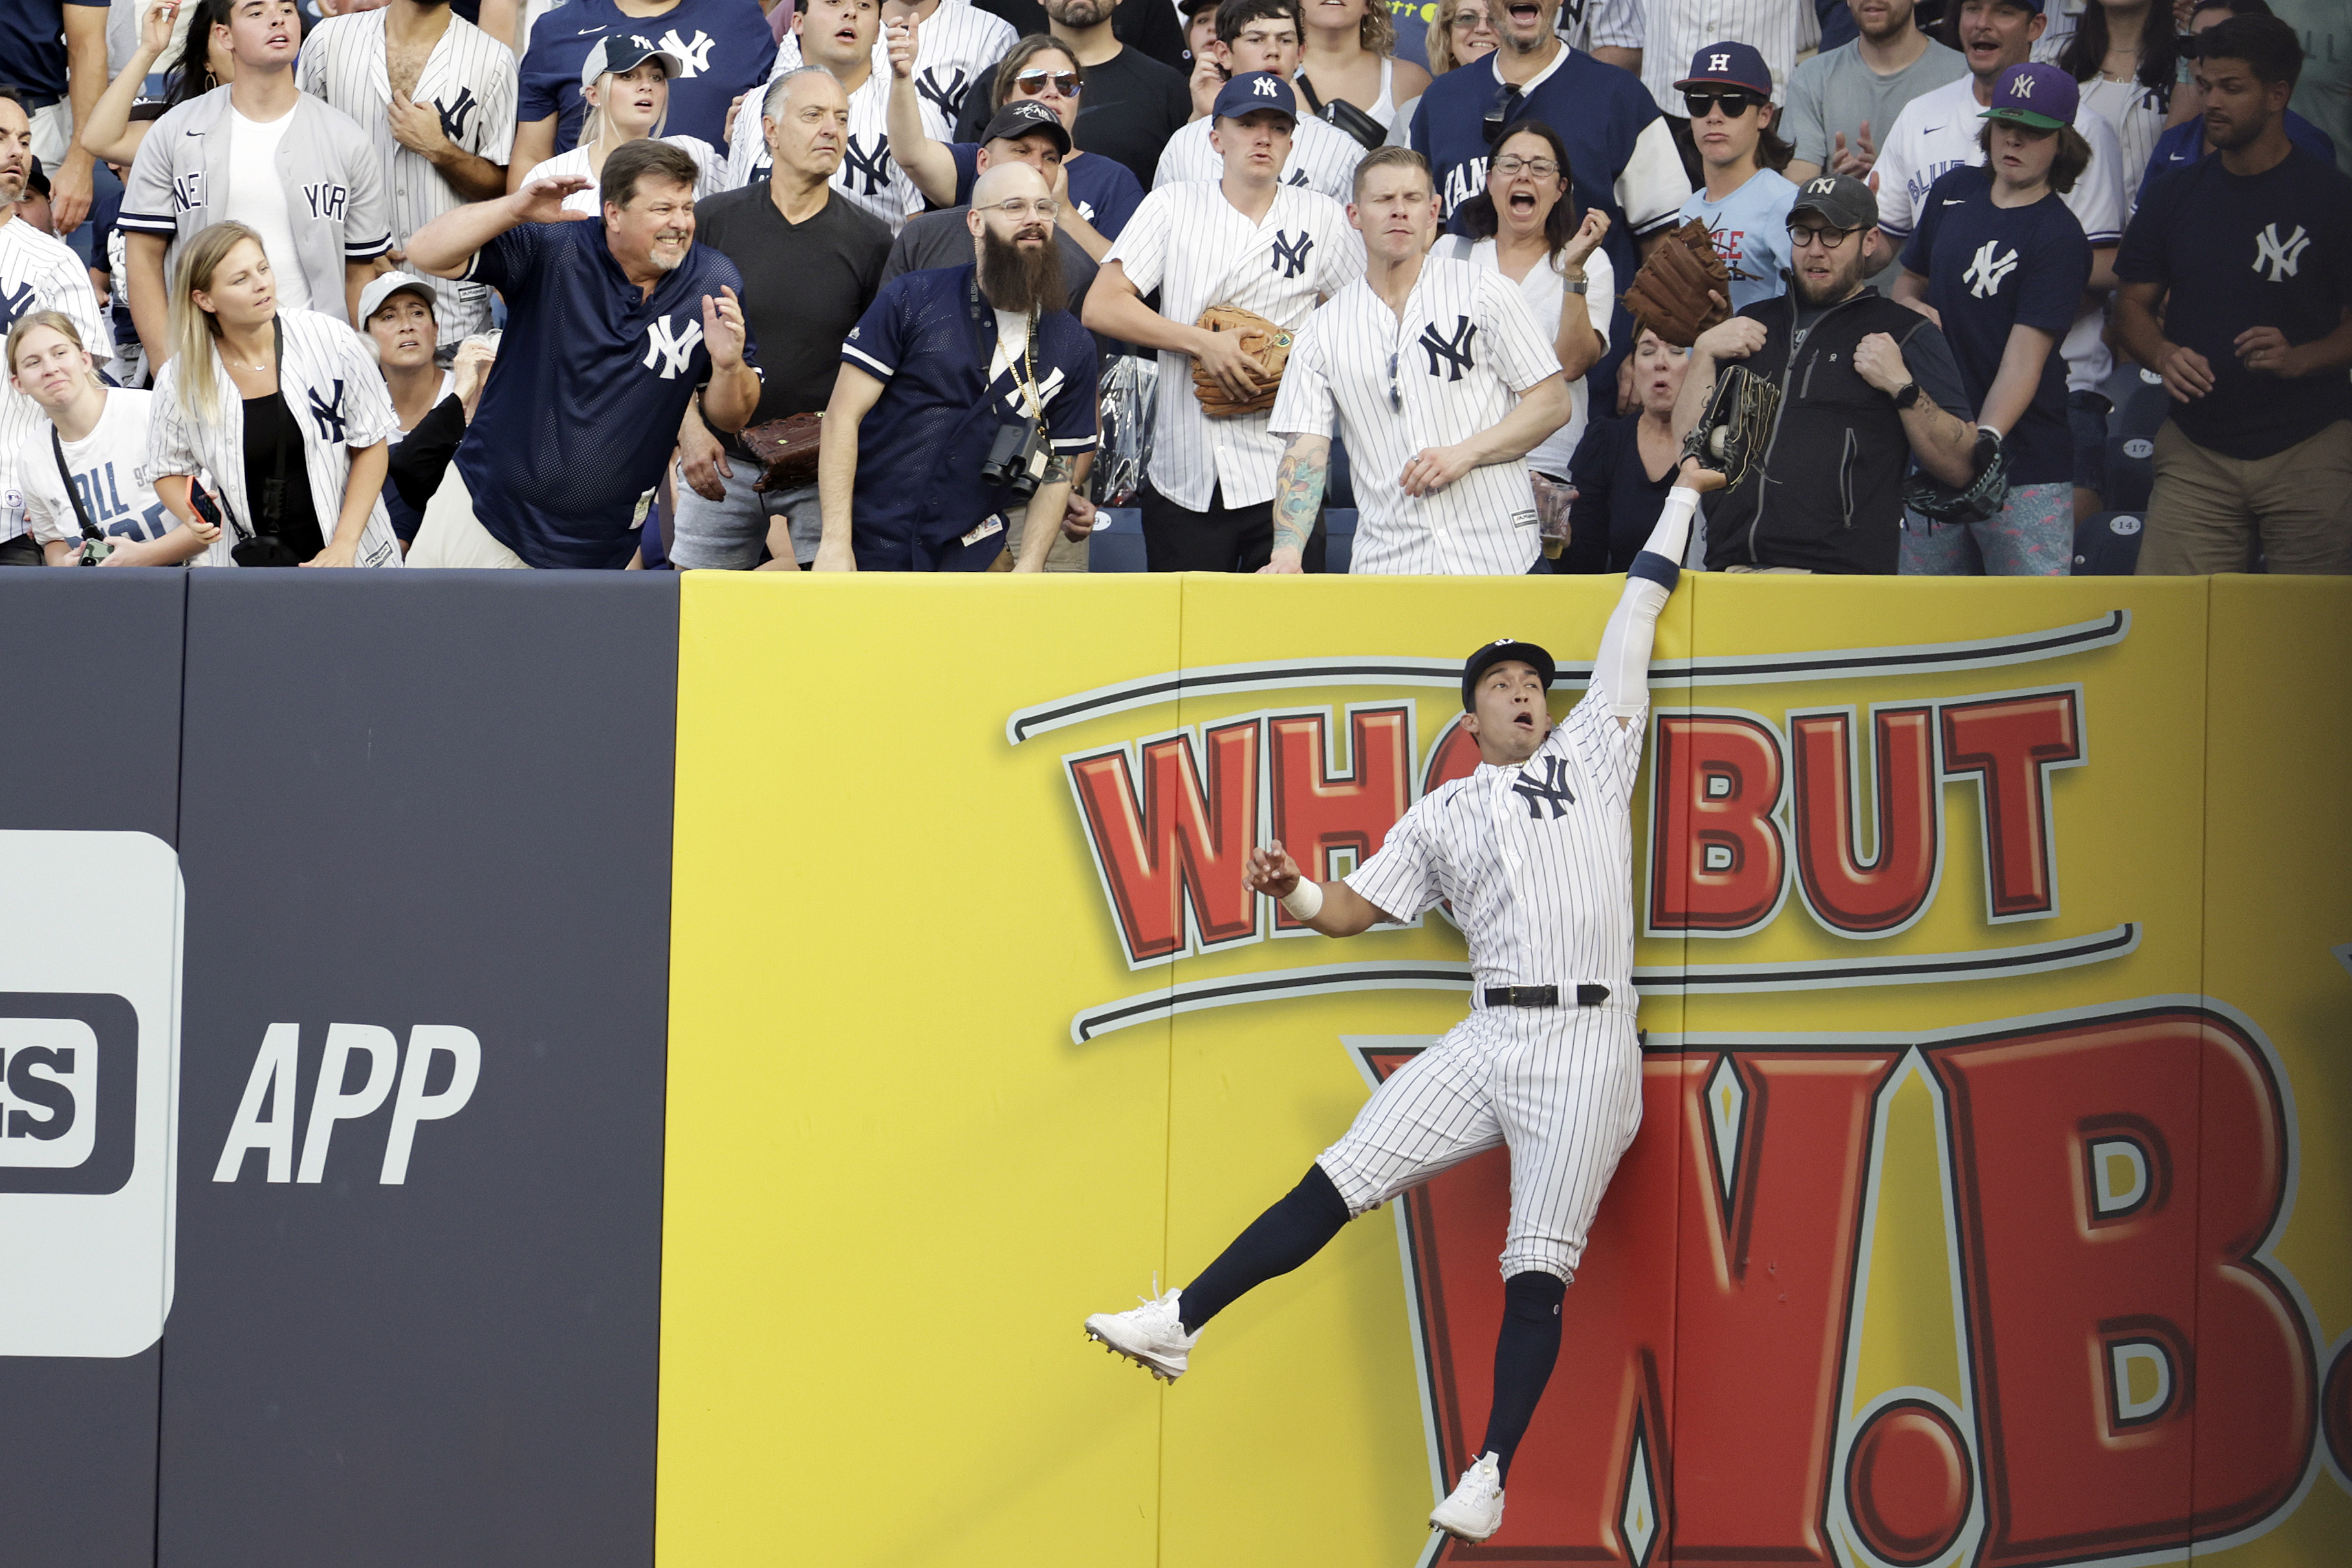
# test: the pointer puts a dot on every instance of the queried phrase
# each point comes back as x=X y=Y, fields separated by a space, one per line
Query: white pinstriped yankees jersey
x=868 y=175
x=469 y=81
x=1678 y=29
x=330 y=382
x=1591 y=25
x=37 y=273
x=1537 y=860
x=1454 y=364
x=955 y=47
x=1198 y=249
x=1321 y=159
x=710 y=176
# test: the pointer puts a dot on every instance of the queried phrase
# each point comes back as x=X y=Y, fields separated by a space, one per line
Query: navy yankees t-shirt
x=583 y=402
x=723 y=49
x=1989 y=268
x=2273 y=249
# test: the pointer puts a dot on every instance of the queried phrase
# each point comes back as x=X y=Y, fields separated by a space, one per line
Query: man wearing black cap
x=1534 y=853
x=1866 y=387
x=1023 y=132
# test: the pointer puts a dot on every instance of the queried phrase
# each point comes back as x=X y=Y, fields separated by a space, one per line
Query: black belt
x=1543 y=996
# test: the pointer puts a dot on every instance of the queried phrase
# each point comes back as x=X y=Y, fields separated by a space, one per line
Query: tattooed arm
x=1298 y=497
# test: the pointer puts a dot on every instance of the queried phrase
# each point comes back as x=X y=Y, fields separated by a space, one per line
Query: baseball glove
x=1263 y=341
x=1731 y=436
x=1669 y=295
x=785 y=450
x=1983 y=496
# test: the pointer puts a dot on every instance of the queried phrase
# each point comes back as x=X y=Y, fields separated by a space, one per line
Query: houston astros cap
x=384 y=285
x=1255 y=91
x=625 y=52
x=1729 y=64
x=1027 y=117
x=2034 y=93
x=1841 y=199
x=1496 y=652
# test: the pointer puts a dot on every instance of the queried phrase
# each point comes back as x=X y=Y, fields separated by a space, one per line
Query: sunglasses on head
x=1736 y=102
x=1033 y=82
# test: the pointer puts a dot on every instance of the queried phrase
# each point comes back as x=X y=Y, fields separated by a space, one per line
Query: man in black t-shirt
x=1133 y=101
x=2247 y=254
x=812 y=263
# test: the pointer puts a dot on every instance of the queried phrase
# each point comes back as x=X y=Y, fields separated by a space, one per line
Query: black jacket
x=1828 y=494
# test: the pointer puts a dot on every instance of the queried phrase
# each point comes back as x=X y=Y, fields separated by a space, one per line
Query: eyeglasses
x=1512 y=164
x=1736 y=102
x=1471 y=21
x=1017 y=209
x=1801 y=235
x=1033 y=83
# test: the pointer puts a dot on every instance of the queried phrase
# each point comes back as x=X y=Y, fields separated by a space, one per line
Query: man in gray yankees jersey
x=322 y=218
x=37 y=272
x=1247 y=241
x=1534 y=850
x=839 y=36
x=1440 y=383
x=436 y=96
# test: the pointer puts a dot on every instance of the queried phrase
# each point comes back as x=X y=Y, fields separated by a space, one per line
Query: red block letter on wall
x=1717 y=864
x=2144 y=1380
x=1887 y=892
x=1181 y=843
x=1315 y=812
x=2009 y=745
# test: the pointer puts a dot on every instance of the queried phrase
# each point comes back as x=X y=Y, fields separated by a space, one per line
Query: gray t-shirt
x=1835 y=92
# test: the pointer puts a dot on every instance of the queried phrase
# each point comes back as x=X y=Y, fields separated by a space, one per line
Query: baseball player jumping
x=1535 y=851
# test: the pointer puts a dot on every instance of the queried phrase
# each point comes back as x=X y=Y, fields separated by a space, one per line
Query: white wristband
x=1304 y=902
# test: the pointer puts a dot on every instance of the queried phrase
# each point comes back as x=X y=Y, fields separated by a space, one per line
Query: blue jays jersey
x=723 y=47
x=930 y=338
x=584 y=402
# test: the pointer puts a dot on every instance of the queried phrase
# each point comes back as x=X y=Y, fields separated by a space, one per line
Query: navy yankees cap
x=1496 y=652
x=625 y=52
x=1729 y=64
x=1255 y=91
x=1845 y=201
x=2035 y=94
x=1027 y=117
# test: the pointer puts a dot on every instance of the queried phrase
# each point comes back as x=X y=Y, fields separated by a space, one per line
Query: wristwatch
x=1907 y=396
x=1575 y=285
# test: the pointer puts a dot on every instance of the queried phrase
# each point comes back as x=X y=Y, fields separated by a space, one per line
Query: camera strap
x=275 y=496
x=81 y=512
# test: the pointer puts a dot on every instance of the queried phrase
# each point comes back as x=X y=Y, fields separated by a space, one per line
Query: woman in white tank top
x=1351 y=57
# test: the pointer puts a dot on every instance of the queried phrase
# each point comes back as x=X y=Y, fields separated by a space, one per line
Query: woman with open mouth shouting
x=625 y=80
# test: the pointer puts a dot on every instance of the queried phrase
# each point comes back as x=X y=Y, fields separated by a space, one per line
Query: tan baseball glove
x=1669 y=295
x=1263 y=341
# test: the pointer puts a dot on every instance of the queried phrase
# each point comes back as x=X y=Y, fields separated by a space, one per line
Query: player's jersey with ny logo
x=455 y=115
x=865 y=164
x=1550 y=789
x=693 y=55
x=328 y=412
x=16 y=302
x=1290 y=254
x=1450 y=355
x=668 y=347
x=942 y=87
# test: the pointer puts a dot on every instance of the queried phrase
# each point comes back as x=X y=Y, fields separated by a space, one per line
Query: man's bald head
x=1009 y=180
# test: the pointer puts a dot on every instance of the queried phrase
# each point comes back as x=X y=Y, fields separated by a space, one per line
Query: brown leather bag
x=786 y=451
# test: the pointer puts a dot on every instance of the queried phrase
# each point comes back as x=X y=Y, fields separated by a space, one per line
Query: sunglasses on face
x=1471 y=21
x=1736 y=102
x=1031 y=84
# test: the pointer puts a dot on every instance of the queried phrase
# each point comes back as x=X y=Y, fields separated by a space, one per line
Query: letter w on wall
x=1175 y=849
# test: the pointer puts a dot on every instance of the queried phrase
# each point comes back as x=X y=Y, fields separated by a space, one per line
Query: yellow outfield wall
x=1991 y=1200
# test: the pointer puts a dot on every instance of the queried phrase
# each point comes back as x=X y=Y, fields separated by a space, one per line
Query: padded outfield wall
x=574 y=1069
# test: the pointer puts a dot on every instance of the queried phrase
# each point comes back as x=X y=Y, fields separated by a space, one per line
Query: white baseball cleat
x=1152 y=1336
x=1475 y=1510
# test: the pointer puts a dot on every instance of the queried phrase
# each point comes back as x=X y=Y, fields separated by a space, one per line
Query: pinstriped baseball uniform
x=955 y=46
x=711 y=172
x=337 y=394
x=1195 y=247
x=469 y=79
x=1677 y=29
x=37 y=273
x=868 y=175
x=1538 y=862
x=1591 y=25
x=333 y=182
x=1453 y=365
x=1321 y=159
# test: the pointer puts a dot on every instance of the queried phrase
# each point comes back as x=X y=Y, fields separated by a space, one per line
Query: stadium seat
x=1338 y=537
x=2143 y=411
x=1118 y=545
x=2130 y=473
x=2107 y=544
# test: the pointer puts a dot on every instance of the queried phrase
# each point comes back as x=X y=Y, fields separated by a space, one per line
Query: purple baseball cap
x=1729 y=64
x=2035 y=93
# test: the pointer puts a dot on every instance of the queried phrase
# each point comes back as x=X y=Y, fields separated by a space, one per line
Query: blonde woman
x=283 y=409
x=84 y=469
x=1350 y=57
x=1460 y=31
x=625 y=82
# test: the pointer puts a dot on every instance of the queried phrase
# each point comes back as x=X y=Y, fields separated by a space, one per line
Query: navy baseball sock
x=1524 y=1353
x=1277 y=1242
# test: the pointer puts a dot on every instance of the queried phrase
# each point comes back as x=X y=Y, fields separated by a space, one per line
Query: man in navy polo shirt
x=947 y=368
x=611 y=327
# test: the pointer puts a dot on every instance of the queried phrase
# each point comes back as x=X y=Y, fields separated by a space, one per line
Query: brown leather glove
x=1669 y=295
x=1263 y=341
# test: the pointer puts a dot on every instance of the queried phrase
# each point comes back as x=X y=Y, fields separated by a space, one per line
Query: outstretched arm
x=1622 y=667
x=1334 y=908
x=1298 y=497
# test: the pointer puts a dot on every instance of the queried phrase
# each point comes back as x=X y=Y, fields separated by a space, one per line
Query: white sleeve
x=371 y=418
x=170 y=436
x=1599 y=293
x=1897 y=154
x=498 y=103
x=1343 y=262
x=1653 y=188
x=1303 y=406
x=1622 y=667
x=1520 y=353
x=37 y=477
x=1617 y=25
x=1398 y=880
x=2097 y=199
x=1141 y=247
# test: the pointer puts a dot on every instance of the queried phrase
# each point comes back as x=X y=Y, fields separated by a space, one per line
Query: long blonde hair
x=56 y=321
x=193 y=327
x=592 y=129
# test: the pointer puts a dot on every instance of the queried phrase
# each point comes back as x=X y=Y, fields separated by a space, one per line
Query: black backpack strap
x=81 y=512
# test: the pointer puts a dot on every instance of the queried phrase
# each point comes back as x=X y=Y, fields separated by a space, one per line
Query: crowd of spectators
x=928 y=284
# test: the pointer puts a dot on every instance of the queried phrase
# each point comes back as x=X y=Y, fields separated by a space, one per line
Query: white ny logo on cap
x=2020 y=86
x=1719 y=62
x=1821 y=186
x=1264 y=87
